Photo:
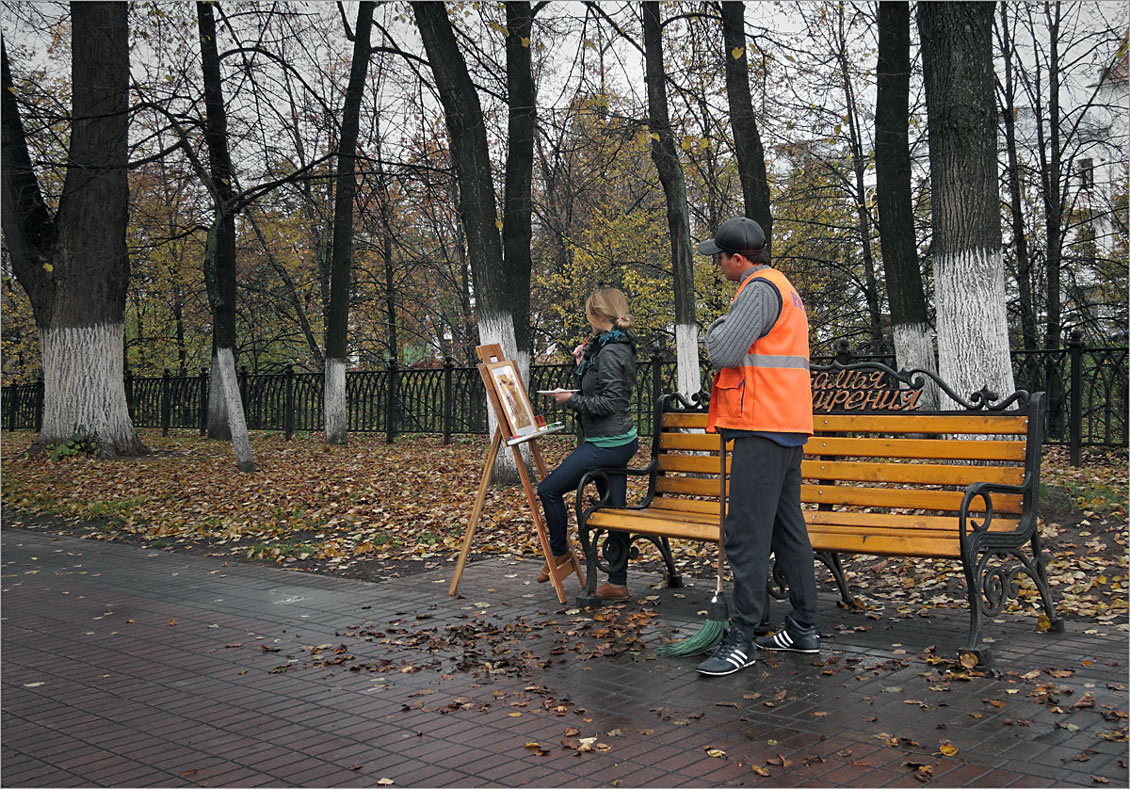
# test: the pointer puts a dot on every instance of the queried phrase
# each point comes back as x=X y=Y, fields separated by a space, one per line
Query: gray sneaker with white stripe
x=792 y=638
x=733 y=654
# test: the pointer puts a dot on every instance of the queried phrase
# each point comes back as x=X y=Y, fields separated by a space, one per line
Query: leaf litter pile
x=375 y=511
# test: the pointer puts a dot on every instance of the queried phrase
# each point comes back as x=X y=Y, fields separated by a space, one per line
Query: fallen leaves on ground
x=373 y=510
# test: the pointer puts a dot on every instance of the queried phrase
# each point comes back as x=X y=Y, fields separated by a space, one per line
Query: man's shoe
x=563 y=559
x=609 y=591
x=733 y=654
x=792 y=638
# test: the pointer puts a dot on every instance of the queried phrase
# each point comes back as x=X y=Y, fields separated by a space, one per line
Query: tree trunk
x=337 y=324
x=219 y=257
x=957 y=57
x=75 y=266
x=1016 y=207
x=471 y=158
x=747 y=139
x=517 y=230
x=665 y=156
x=910 y=322
x=862 y=214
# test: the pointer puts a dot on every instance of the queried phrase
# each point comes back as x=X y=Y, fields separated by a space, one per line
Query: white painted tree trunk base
x=973 y=347
x=83 y=390
x=337 y=426
x=217 y=420
x=224 y=370
x=500 y=329
x=914 y=350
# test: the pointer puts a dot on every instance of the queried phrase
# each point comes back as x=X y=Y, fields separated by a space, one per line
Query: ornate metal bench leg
x=831 y=560
x=1041 y=579
x=588 y=597
x=976 y=610
x=674 y=579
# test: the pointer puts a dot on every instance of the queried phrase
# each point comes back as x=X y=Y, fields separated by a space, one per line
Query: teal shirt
x=614 y=441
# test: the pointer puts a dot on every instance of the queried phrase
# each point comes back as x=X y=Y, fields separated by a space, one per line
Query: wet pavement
x=125 y=666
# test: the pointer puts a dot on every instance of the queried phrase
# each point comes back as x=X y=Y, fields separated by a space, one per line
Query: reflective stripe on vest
x=771 y=389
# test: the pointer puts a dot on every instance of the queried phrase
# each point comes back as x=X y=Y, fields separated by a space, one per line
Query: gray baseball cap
x=740 y=234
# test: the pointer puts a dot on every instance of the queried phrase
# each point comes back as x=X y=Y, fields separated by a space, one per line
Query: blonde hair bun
x=610 y=304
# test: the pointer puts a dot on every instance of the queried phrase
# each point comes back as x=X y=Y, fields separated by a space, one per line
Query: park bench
x=881 y=477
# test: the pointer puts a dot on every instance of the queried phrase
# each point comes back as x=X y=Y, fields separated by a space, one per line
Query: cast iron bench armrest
x=968 y=525
x=591 y=476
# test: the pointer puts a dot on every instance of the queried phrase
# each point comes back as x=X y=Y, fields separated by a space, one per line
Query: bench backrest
x=870 y=459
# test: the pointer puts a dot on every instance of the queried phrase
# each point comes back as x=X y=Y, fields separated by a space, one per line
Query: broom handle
x=721 y=513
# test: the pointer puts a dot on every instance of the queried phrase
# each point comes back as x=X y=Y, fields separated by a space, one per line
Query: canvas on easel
x=512 y=398
x=517 y=424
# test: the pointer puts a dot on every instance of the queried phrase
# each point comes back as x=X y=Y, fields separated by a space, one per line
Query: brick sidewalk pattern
x=125 y=666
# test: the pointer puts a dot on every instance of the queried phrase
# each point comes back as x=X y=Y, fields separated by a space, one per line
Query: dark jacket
x=608 y=375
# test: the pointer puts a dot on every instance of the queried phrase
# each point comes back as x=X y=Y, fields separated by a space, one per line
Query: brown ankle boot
x=564 y=558
x=610 y=591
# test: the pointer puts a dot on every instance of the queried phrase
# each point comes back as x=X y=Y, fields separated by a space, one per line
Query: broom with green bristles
x=718 y=617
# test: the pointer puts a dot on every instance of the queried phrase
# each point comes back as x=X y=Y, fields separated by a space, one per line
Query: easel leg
x=555 y=575
x=476 y=512
x=574 y=563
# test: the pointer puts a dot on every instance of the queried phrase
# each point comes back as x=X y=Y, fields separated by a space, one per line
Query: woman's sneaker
x=733 y=654
x=792 y=638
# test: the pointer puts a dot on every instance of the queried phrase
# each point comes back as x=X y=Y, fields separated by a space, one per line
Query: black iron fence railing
x=1087 y=397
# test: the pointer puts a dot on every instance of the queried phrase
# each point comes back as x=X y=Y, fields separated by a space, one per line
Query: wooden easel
x=504 y=432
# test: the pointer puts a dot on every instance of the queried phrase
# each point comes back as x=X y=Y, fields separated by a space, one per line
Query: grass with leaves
x=373 y=510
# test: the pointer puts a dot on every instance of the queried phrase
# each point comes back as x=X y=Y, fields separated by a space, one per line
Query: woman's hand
x=578 y=352
x=561 y=397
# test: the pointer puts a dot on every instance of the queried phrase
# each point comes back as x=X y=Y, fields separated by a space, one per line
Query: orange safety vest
x=771 y=389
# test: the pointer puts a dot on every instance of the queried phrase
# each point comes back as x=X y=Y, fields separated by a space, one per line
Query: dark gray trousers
x=764 y=516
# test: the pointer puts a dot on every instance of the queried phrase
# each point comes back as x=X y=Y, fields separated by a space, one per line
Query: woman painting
x=606 y=369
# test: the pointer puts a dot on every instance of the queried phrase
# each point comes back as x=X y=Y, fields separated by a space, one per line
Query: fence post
x=448 y=405
x=656 y=386
x=13 y=402
x=166 y=405
x=1075 y=351
x=203 y=401
x=243 y=387
x=39 y=402
x=288 y=415
x=129 y=393
x=390 y=402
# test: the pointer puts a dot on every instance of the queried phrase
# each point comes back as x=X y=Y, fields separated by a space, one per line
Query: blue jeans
x=564 y=479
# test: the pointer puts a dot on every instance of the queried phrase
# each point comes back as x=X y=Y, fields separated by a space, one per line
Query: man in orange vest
x=762 y=400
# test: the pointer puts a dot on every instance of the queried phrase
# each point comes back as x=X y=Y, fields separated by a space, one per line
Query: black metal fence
x=1087 y=394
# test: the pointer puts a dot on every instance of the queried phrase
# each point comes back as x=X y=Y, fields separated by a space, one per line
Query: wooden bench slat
x=922 y=473
x=909 y=448
x=978 y=424
x=938 y=449
x=901 y=498
x=857 y=471
x=911 y=499
x=866 y=533
x=849 y=541
x=895 y=523
x=634 y=521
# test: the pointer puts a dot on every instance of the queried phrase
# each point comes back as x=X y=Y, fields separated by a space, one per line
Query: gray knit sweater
x=751 y=316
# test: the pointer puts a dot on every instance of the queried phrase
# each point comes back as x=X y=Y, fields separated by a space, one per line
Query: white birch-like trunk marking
x=686 y=359
x=500 y=329
x=973 y=347
x=914 y=350
x=83 y=388
x=229 y=387
x=217 y=417
x=334 y=402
